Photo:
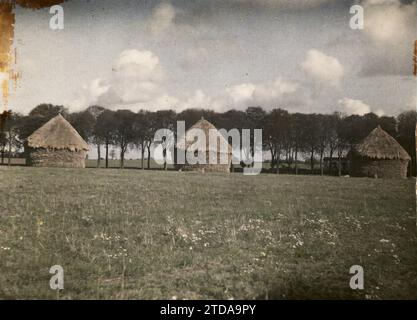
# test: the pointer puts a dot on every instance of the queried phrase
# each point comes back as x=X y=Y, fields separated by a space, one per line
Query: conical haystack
x=379 y=155
x=57 y=144
x=214 y=150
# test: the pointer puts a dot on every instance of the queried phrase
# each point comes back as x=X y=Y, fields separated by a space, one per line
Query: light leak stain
x=7 y=20
x=8 y=58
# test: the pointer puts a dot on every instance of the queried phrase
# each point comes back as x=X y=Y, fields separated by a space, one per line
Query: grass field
x=133 y=234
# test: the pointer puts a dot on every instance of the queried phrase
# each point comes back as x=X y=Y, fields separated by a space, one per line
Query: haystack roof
x=212 y=145
x=380 y=145
x=57 y=133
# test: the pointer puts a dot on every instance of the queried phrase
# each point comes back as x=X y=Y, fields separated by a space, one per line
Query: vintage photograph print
x=208 y=150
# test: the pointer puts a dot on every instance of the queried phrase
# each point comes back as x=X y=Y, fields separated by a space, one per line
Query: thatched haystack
x=380 y=156
x=217 y=148
x=56 y=144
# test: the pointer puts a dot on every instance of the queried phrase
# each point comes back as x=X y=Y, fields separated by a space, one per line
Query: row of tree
x=289 y=137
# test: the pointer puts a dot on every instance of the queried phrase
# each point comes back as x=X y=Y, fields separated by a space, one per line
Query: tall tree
x=191 y=116
x=104 y=133
x=346 y=138
x=332 y=124
x=389 y=124
x=84 y=123
x=151 y=125
x=166 y=121
x=4 y=117
x=255 y=119
x=277 y=128
x=311 y=136
x=323 y=131
x=95 y=111
x=406 y=136
x=11 y=130
x=123 y=132
x=139 y=129
x=298 y=136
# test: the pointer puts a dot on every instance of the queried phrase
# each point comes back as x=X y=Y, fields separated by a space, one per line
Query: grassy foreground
x=132 y=234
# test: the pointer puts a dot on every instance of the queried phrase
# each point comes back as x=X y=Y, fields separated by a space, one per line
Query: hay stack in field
x=379 y=155
x=216 y=148
x=56 y=144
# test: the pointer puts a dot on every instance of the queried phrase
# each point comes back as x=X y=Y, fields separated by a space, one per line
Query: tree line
x=289 y=137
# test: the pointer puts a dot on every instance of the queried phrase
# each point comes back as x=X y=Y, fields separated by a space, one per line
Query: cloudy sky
x=295 y=54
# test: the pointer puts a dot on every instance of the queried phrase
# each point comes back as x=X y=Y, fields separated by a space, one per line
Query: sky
x=298 y=55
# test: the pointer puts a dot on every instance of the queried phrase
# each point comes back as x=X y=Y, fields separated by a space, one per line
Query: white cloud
x=138 y=82
x=388 y=21
x=198 y=100
x=323 y=69
x=264 y=94
x=89 y=95
x=389 y=31
x=136 y=63
x=379 y=112
x=269 y=95
x=241 y=92
x=137 y=77
x=352 y=106
x=165 y=101
x=162 y=18
x=97 y=87
x=274 y=91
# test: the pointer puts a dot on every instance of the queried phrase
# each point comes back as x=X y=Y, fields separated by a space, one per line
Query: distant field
x=129 y=163
x=133 y=234
x=303 y=168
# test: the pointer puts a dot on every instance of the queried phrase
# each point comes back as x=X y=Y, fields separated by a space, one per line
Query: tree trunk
x=98 y=155
x=321 y=163
x=339 y=164
x=296 y=160
x=122 y=158
x=107 y=154
x=149 y=156
x=289 y=156
x=287 y=160
x=175 y=157
x=142 y=148
x=330 y=161
x=312 y=161
x=10 y=153
x=278 y=161
x=271 y=150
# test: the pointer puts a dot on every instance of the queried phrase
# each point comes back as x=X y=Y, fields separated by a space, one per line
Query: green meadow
x=134 y=234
